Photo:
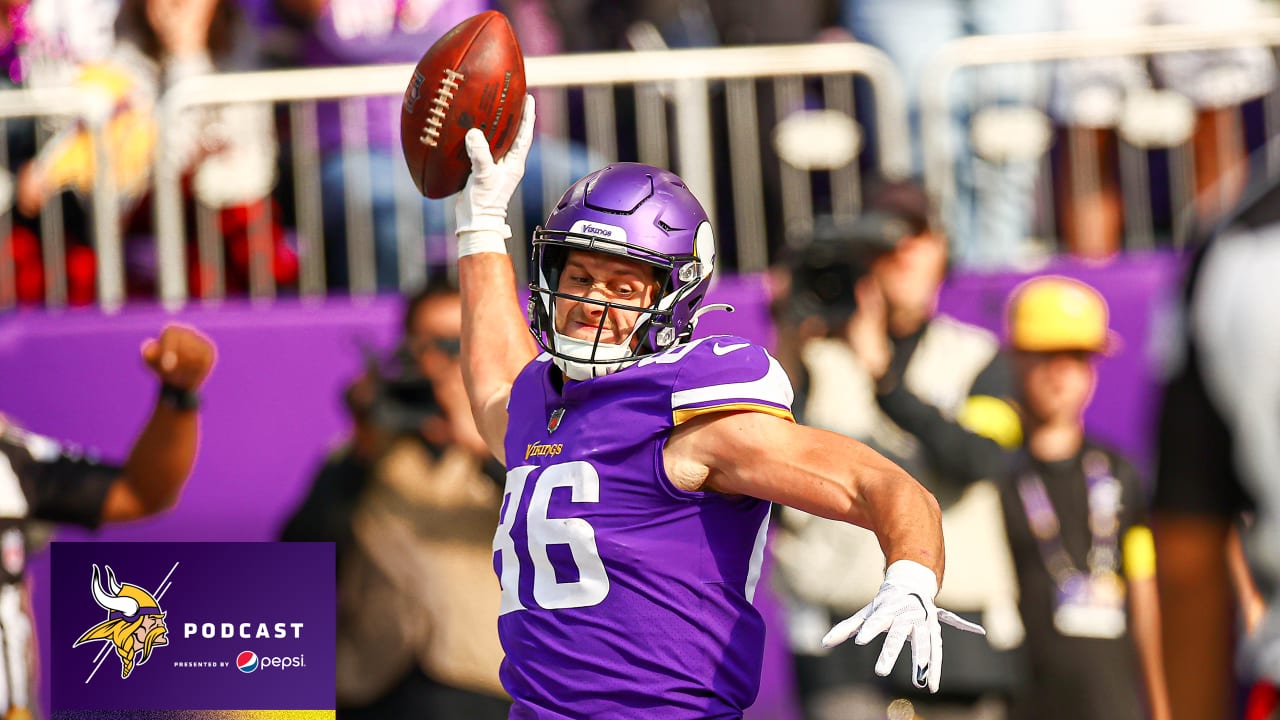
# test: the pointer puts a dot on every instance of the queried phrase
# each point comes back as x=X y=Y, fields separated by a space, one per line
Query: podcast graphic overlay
x=192 y=626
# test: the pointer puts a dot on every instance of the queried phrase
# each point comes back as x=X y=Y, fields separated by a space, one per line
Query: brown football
x=473 y=76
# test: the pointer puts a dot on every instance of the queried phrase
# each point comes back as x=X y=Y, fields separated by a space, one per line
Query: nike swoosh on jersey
x=726 y=349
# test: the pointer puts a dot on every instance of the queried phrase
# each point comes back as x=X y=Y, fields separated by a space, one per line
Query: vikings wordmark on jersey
x=619 y=591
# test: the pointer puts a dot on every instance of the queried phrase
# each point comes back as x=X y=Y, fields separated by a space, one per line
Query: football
x=473 y=76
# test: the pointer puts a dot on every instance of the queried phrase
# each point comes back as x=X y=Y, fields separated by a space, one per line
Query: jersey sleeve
x=57 y=483
x=727 y=374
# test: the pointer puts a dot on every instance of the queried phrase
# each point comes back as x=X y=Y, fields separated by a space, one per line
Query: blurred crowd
x=1057 y=542
x=1039 y=150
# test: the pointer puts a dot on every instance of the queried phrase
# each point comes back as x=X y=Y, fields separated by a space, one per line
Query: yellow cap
x=1053 y=313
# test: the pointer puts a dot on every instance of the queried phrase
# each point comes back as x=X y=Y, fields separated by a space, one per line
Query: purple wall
x=272 y=404
x=271 y=408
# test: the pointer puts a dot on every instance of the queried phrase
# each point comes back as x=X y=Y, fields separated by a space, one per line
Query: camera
x=827 y=264
x=402 y=398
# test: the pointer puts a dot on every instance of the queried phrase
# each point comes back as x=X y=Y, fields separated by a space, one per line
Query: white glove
x=482 y=209
x=904 y=607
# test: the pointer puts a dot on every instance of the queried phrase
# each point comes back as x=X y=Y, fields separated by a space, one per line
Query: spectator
x=1217 y=460
x=45 y=480
x=897 y=258
x=1091 y=100
x=1074 y=514
x=990 y=222
x=416 y=535
x=648 y=25
x=325 y=514
x=45 y=42
x=228 y=153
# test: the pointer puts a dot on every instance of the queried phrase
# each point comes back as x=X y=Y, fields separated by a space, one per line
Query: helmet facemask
x=680 y=287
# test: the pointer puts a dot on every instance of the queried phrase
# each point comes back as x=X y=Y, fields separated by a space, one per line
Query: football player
x=641 y=463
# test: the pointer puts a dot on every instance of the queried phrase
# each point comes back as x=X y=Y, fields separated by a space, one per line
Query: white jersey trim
x=774 y=388
x=757 y=556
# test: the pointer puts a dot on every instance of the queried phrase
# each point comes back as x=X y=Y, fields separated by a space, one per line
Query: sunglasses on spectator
x=451 y=346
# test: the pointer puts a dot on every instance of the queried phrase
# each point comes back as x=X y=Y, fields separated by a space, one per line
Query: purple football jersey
x=623 y=596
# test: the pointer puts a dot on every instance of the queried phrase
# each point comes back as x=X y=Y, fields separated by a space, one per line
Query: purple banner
x=193 y=626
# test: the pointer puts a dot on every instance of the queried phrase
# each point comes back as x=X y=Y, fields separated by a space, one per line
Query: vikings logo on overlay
x=134 y=624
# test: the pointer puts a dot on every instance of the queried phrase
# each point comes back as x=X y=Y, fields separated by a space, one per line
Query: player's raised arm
x=496 y=343
x=833 y=476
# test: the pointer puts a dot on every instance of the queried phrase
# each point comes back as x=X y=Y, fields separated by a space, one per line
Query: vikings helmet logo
x=134 y=624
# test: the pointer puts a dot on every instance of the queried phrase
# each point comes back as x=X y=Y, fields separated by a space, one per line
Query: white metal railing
x=938 y=99
x=675 y=93
x=668 y=83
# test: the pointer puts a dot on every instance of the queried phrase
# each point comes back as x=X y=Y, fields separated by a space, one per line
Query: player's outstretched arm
x=165 y=450
x=496 y=343
x=819 y=472
x=826 y=474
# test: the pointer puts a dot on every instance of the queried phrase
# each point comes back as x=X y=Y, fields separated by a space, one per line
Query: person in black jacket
x=1074 y=512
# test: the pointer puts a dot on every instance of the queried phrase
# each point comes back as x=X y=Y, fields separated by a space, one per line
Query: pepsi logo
x=247 y=661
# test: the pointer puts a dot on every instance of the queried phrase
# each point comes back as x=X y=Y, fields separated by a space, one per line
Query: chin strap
x=572 y=354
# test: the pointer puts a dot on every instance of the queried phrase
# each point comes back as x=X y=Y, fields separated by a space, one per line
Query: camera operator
x=863 y=323
x=417 y=600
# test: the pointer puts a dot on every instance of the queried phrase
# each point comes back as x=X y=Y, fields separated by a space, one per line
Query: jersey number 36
x=549 y=593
